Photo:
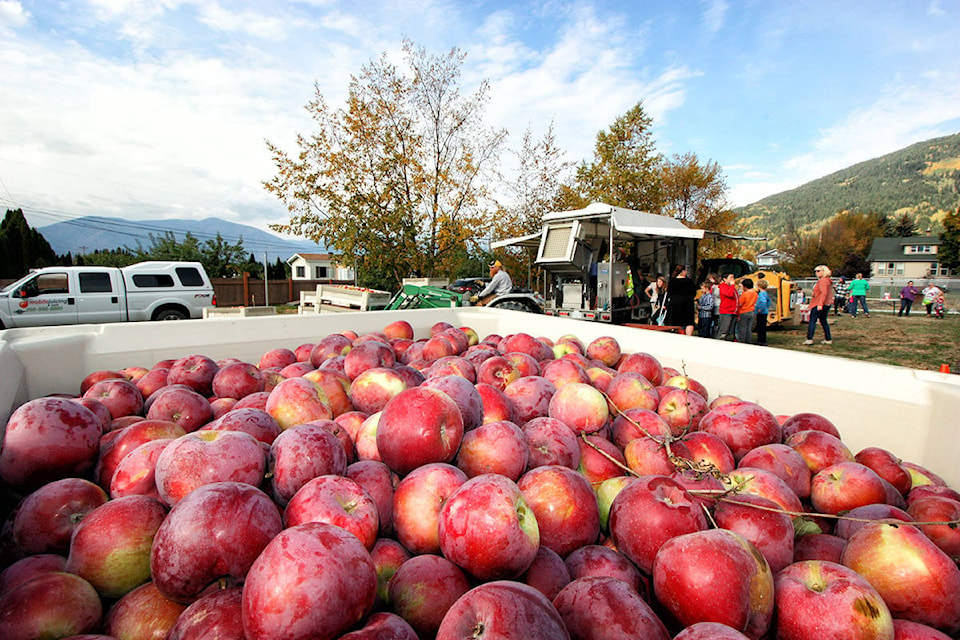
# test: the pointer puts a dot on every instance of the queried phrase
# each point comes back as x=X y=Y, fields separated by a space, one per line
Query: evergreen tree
x=22 y=247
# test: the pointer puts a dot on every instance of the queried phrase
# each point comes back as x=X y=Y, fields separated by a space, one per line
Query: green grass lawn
x=917 y=342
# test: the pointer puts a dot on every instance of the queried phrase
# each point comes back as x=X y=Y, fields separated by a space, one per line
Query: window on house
x=319 y=272
x=900 y=268
x=301 y=271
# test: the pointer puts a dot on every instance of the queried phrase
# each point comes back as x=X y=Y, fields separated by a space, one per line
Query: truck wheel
x=171 y=314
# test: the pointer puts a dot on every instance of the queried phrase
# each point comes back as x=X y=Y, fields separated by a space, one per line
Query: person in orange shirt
x=748 y=300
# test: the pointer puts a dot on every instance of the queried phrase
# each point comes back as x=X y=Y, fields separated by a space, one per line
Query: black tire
x=513 y=305
x=170 y=313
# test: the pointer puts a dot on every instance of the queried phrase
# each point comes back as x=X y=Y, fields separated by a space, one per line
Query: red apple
x=453 y=366
x=279 y=357
x=818 y=546
x=709 y=631
x=237 y=380
x=497 y=372
x=747 y=480
x=380 y=484
x=531 y=397
x=579 y=406
x=605 y=349
x=300 y=454
x=819 y=599
x=181 y=405
x=114 y=450
x=366 y=440
x=935 y=513
x=758 y=520
x=550 y=441
x=423 y=589
x=152 y=381
x=143 y=613
x=647 y=513
x=195 y=371
x=496 y=405
x=296 y=401
x=488 y=529
x=917 y=580
x=495 y=447
x=600 y=459
x=26 y=569
x=854 y=520
x=783 y=462
x=136 y=475
x=399 y=329
x=216 y=615
x=110 y=547
x=598 y=560
x=464 y=394
x=653 y=455
x=715 y=576
x=51 y=605
x=563 y=372
x=256 y=422
x=202 y=541
x=96 y=376
x=806 y=421
x=906 y=630
x=598 y=608
x=419 y=426
x=819 y=449
x=327 y=567
x=548 y=573
x=295 y=370
x=682 y=409
x=368 y=355
x=204 y=457
x=631 y=390
x=636 y=423
x=383 y=626
x=644 y=364
x=417 y=502
x=528 y=345
x=44 y=521
x=339 y=501
x=47 y=439
x=845 y=486
x=387 y=555
x=564 y=505
x=328 y=347
x=887 y=466
x=524 y=362
x=99 y=409
x=503 y=609
x=742 y=426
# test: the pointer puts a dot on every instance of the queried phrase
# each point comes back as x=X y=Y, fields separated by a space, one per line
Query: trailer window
x=153 y=280
x=95 y=283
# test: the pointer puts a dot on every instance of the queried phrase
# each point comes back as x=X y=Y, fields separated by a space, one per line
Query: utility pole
x=266 y=282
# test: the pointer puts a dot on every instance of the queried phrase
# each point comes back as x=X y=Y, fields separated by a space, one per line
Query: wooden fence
x=250 y=292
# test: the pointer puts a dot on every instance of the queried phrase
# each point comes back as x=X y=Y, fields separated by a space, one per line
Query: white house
x=770 y=258
x=908 y=257
x=319 y=266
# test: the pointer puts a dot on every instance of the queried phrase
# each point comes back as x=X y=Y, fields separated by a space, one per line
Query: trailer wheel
x=170 y=313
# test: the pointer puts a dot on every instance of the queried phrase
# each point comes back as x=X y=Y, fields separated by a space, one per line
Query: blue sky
x=152 y=109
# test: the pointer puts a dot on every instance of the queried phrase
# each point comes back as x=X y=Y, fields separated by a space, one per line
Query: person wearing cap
x=500 y=283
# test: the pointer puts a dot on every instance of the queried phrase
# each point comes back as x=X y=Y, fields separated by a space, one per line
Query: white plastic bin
x=915 y=414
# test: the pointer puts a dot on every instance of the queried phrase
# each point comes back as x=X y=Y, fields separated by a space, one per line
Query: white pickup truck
x=82 y=295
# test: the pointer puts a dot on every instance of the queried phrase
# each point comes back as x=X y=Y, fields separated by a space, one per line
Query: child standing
x=762 y=309
x=705 y=310
x=938 y=306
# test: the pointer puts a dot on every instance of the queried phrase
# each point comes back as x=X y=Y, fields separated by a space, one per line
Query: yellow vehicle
x=780 y=287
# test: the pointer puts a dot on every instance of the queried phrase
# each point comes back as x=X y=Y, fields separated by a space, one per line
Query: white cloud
x=12 y=14
x=934 y=9
x=714 y=14
x=256 y=24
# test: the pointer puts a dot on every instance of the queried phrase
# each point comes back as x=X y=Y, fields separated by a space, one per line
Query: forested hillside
x=921 y=180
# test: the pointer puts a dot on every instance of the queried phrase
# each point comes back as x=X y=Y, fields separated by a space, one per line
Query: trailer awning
x=626 y=223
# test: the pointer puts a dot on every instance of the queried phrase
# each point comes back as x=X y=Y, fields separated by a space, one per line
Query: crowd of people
x=724 y=309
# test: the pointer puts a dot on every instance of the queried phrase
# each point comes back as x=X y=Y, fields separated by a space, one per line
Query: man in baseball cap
x=500 y=283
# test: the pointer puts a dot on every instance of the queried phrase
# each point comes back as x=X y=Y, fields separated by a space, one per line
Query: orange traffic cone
x=944 y=368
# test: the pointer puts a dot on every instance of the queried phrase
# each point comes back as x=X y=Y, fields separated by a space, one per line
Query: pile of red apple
x=378 y=486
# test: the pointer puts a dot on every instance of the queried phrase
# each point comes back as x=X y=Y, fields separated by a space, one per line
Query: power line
x=97 y=223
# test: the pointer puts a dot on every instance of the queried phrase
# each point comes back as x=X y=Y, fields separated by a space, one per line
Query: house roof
x=891 y=249
x=312 y=257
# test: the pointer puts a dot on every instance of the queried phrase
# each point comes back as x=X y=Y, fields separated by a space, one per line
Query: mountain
x=82 y=235
x=920 y=180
